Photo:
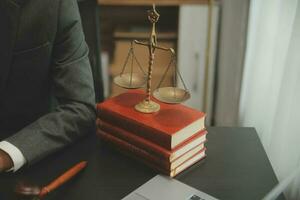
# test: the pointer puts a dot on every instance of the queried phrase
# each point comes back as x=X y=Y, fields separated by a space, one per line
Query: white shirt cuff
x=14 y=153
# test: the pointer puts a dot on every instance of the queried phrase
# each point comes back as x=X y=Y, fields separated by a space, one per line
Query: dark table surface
x=236 y=167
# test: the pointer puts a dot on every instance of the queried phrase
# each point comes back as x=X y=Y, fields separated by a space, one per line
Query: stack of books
x=170 y=140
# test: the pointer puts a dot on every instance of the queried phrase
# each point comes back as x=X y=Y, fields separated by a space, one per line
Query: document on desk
x=163 y=187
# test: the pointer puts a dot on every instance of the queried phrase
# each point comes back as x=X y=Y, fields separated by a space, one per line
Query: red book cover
x=170 y=126
x=151 y=147
x=184 y=166
x=128 y=148
x=187 y=164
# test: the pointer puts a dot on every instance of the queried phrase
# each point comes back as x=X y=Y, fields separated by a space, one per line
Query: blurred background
x=238 y=58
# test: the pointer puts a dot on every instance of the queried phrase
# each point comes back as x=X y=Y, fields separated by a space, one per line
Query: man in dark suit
x=43 y=62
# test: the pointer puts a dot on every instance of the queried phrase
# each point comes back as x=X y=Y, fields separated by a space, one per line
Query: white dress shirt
x=14 y=153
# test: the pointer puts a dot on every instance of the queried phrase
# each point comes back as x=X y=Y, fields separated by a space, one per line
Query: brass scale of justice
x=131 y=80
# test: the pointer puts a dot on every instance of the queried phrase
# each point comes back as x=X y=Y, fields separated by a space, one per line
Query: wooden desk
x=236 y=167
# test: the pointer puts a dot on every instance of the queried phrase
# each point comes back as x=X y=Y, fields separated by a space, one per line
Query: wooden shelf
x=150 y=2
x=116 y=20
x=144 y=35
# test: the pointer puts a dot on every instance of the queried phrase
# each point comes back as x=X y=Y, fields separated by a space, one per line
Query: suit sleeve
x=74 y=116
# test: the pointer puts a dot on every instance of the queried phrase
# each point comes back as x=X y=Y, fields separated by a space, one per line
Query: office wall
x=230 y=64
x=192 y=44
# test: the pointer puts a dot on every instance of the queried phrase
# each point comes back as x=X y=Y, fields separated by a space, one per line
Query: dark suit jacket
x=43 y=54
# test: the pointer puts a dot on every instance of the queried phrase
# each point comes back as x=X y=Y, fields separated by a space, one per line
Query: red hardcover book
x=184 y=166
x=188 y=163
x=124 y=146
x=170 y=126
x=195 y=140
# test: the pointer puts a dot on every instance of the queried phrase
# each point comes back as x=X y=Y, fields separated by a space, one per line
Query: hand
x=5 y=161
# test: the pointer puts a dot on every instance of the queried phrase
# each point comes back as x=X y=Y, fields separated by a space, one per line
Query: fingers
x=5 y=161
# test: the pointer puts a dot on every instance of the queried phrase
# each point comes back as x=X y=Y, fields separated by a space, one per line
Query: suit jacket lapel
x=9 y=19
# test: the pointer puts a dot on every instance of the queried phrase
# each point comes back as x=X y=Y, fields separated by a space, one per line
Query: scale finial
x=153 y=15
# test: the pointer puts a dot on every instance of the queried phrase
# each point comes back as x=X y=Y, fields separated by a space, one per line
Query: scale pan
x=130 y=80
x=171 y=95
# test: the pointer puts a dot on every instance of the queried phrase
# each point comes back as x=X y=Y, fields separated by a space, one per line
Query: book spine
x=135 y=140
x=157 y=137
x=129 y=148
